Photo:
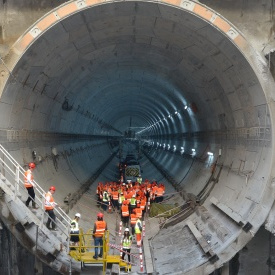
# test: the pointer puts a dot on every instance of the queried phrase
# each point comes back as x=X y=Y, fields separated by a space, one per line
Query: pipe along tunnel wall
x=180 y=76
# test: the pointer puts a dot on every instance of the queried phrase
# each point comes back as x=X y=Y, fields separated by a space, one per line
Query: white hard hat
x=126 y=229
x=78 y=215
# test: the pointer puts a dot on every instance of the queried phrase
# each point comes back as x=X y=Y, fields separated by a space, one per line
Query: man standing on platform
x=100 y=227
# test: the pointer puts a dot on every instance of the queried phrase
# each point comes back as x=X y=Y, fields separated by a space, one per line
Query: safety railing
x=83 y=250
x=11 y=170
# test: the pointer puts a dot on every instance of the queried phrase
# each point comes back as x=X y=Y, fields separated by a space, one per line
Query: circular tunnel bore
x=188 y=86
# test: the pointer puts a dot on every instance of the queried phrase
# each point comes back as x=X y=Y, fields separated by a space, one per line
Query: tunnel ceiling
x=133 y=60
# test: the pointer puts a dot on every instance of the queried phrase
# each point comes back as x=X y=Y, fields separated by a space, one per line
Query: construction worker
x=126 y=244
x=115 y=198
x=75 y=230
x=138 y=212
x=143 y=205
x=49 y=207
x=29 y=184
x=133 y=203
x=138 y=230
x=159 y=193
x=139 y=179
x=100 y=227
x=121 y=198
x=99 y=194
x=133 y=220
x=105 y=200
x=125 y=213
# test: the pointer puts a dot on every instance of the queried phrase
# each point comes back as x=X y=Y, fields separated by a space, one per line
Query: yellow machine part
x=85 y=251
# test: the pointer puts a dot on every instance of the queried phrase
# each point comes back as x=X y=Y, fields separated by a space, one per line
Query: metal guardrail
x=11 y=170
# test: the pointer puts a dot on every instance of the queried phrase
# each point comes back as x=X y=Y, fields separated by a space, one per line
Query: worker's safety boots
x=34 y=206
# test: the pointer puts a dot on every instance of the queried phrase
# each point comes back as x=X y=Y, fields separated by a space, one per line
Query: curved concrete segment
x=179 y=76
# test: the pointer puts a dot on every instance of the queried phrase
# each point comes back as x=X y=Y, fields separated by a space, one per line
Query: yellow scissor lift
x=85 y=252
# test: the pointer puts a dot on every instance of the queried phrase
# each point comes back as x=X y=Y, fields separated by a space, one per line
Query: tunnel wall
x=17 y=260
x=243 y=151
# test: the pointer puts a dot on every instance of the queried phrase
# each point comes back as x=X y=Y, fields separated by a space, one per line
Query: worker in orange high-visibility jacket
x=159 y=193
x=133 y=220
x=100 y=227
x=99 y=194
x=30 y=185
x=143 y=204
x=115 y=198
x=50 y=204
x=125 y=213
x=138 y=212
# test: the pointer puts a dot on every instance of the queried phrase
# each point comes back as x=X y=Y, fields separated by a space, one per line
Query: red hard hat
x=52 y=188
x=100 y=215
x=32 y=165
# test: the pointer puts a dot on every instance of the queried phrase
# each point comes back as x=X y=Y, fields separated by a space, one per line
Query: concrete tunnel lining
x=146 y=60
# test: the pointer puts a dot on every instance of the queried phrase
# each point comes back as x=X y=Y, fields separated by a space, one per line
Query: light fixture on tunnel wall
x=185 y=107
x=220 y=152
x=181 y=150
x=210 y=153
x=174 y=148
x=176 y=113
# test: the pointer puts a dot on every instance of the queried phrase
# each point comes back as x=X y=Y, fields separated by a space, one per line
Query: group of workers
x=99 y=229
x=132 y=199
x=49 y=203
x=136 y=194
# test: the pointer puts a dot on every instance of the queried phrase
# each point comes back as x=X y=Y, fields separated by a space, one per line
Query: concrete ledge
x=147 y=257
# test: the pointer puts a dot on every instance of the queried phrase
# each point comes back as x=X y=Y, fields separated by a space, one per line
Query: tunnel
x=172 y=80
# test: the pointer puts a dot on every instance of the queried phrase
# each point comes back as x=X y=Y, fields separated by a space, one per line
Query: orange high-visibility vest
x=115 y=195
x=133 y=219
x=138 y=213
x=124 y=210
x=27 y=173
x=49 y=201
x=160 y=192
x=142 y=204
x=100 y=228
